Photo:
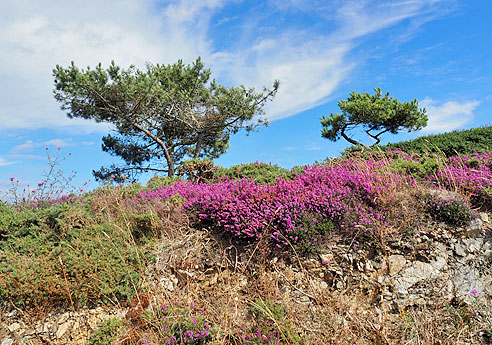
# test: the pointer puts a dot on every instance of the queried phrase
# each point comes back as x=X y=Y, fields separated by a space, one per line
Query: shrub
x=161 y=181
x=421 y=167
x=469 y=175
x=107 y=332
x=259 y=172
x=59 y=256
x=349 y=195
x=198 y=170
x=463 y=142
x=451 y=211
x=178 y=324
x=270 y=326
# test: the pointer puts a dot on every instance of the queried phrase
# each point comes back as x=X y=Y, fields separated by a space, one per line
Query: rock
x=396 y=264
x=7 y=341
x=484 y=217
x=467 y=284
x=369 y=267
x=326 y=259
x=474 y=226
x=14 y=327
x=413 y=274
x=63 y=329
x=63 y=318
x=459 y=249
x=168 y=283
x=323 y=285
x=473 y=244
x=439 y=263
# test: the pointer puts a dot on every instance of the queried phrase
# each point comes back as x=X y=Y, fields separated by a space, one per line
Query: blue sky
x=438 y=51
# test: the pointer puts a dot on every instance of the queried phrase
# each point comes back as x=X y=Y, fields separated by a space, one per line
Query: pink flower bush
x=354 y=194
x=471 y=175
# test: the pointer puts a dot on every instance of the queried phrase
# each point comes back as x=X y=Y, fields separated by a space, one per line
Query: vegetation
x=377 y=114
x=464 y=142
x=259 y=172
x=460 y=142
x=107 y=332
x=61 y=255
x=165 y=112
x=222 y=237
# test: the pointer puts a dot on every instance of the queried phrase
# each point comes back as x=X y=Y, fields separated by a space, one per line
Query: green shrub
x=162 y=181
x=259 y=172
x=107 y=332
x=464 y=142
x=420 y=168
x=60 y=256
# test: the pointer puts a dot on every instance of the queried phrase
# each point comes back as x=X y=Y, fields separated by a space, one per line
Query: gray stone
x=467 y=284
x=475 y=225
x=473 y=244
x=484 y=217
x=413 y=274
x=168 y=283
x=60 y=332
x=459 y=249
x=369 y=267
x=7 y=341
x=396 y=264
x=14 y=327
x=439 y=263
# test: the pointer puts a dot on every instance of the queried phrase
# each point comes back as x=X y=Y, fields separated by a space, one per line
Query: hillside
x=464 y=142
x=383 y=249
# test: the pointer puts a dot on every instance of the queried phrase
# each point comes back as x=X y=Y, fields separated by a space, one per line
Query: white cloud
x=448 y=115
x=312 y=147
x=30 y=145
x=4 y=162
x=308 y=71
x=36 y=36
x=310 y=63
x=361 y=18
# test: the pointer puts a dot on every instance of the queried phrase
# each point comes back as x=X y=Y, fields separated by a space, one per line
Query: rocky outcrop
x=437 y=264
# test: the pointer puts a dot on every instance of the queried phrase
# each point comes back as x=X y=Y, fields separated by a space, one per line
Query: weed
x=270 y=326
x=107 y=332
x=178 y=324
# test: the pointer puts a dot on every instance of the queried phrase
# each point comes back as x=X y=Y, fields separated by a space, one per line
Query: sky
x=435 y=51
